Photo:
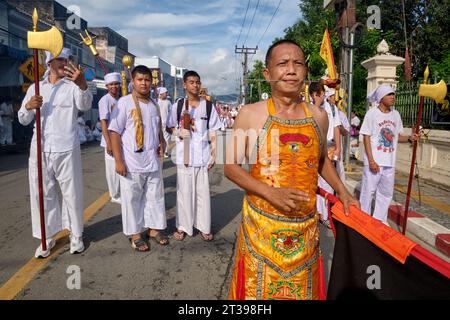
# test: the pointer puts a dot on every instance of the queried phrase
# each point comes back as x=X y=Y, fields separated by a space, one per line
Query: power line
x=251 y=23
x=243 y=23
x=271 y=20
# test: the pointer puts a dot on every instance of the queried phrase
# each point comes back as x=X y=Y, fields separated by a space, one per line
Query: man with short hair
x=193 y=197
x=165 y=108
x=137 y=142
x=382 y=130
x=106 y=106
x=64 y=92
x=283 y=140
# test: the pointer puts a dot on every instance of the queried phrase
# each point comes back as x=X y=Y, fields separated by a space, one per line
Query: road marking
x=22 y=277
x=425 y=199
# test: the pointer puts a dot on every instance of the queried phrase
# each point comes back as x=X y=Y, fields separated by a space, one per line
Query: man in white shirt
x=344 y=130
x=165 y=108
x=193 y=197
x=334 y=150
x=7 y=117
x=106 y=106
x=382 y=128
x=64 y=92
x=354 y=133
x=137 y=140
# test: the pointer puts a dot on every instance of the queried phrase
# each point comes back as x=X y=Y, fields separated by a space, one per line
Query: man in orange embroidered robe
x=284 y=142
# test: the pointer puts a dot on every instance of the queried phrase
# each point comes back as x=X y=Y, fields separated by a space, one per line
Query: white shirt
x=122 y=123
x=200 y=151
x=355 y=121
x=6 y=111
x=165 y=108
x=344 y=120
x=106 y=106
x=333 y=119
x=383 y=129
x=59 y=112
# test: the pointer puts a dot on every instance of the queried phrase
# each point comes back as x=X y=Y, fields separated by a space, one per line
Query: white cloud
x=194 y=34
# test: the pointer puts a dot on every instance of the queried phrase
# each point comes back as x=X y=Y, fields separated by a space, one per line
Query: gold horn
x=436 y=91
x=50 y=40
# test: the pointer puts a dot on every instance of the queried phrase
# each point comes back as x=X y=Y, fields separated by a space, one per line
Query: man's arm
x=284 y=199
x=373 y=166
x=328 y=171
x=105 y=134
x=117 y=152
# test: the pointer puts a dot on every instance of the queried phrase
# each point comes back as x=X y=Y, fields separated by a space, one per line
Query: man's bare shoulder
x=319 y=114
x=251 y=116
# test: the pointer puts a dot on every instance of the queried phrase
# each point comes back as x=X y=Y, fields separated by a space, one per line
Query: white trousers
x=142 y=201
x=166 y=138
x=193 y=200
x=64 y=169
x=320 y=201
x=6 y=132
x=112 y=178
x=381 y=185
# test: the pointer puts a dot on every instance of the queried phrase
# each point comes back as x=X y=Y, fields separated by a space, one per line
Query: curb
x=425 y=229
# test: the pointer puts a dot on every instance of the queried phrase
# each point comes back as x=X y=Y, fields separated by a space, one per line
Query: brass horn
x=437 y=91
x=50 y=40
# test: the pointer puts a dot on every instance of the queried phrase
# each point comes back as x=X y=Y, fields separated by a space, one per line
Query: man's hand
x=347 y=200
x=212 y=160
x=161 y=148
x=121 y=169
x=287 y=199
x=337 y=155
x=76 y=75
x=35 y=102
x=184 y=134
x=109 y=150
x=373 y=166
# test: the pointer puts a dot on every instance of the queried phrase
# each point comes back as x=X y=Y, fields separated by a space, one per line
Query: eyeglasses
x=391 y=94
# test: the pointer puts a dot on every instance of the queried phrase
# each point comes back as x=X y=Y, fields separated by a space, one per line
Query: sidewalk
x=429 y=213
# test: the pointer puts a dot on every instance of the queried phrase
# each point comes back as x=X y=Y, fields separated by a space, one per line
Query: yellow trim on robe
x=278 y=251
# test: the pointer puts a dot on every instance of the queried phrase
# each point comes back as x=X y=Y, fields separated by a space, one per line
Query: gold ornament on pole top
x=88 y=40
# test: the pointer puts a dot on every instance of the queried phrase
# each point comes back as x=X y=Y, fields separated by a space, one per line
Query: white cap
x=329 y=93
x=162 y=90
x=65 y=54
x=380 y=92
x=112 y=77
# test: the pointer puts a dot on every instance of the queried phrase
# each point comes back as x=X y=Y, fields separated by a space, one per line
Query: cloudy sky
x=196 y=34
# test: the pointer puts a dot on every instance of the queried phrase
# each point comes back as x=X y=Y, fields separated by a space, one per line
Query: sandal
x=179 y=235
x=159 y=239
x=139 y=245
x=207 y=236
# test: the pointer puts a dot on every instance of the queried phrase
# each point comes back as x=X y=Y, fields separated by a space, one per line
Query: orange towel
x=386 y=238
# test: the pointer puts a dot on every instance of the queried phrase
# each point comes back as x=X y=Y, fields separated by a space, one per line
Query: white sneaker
x=76 y=244
x=166 y=155
x=115 y=200
x=44 y=254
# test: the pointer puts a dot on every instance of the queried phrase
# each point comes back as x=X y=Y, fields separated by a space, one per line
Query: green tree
x=257 y=82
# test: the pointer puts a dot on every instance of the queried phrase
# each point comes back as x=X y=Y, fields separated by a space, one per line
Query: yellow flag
x=326 y=52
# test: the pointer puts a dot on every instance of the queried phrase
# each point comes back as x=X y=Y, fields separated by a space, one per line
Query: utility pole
x=245 y=51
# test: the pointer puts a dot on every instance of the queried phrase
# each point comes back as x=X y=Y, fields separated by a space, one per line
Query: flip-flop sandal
x=160 y=239
x=207 y=236
x=139 y=245
x=179 y=235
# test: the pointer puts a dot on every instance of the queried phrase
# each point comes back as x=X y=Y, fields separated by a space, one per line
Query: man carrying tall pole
x=57 y=98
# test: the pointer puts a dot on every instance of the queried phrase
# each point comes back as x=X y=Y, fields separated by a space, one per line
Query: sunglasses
x=391 y=94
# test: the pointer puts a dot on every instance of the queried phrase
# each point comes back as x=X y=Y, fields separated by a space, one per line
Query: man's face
x=319 y=98
x=113 y=88
x=287 y=67
x=163 y=96
x=331 y=99
x=57 y=67
x=141 y=83
x=388 y=100
x=192 y=85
